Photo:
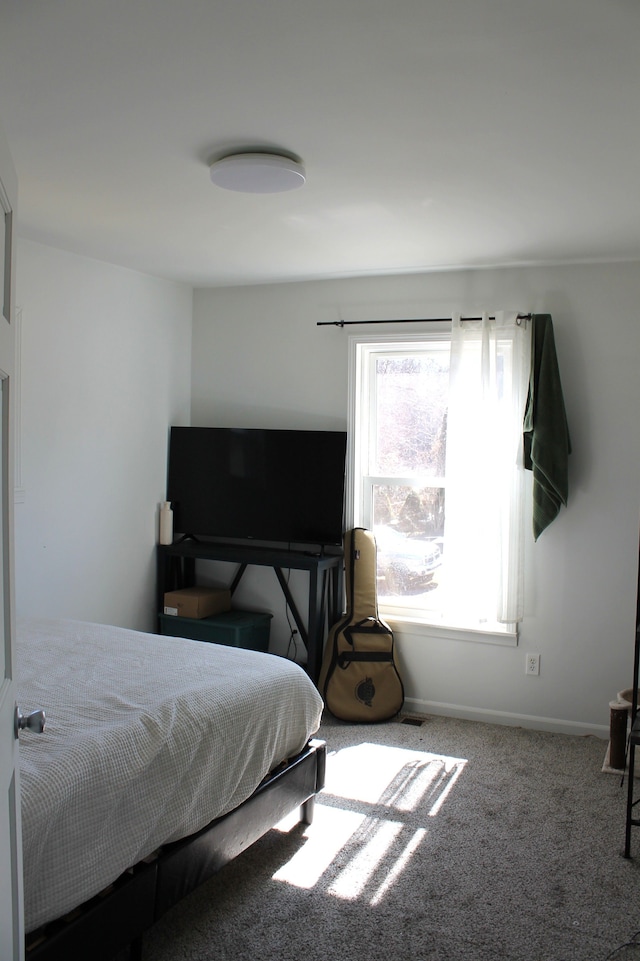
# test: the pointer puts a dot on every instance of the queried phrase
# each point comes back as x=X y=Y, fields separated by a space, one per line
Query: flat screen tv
x=283 y=486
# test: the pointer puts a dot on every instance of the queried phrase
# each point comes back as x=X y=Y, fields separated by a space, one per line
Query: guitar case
x=359 y=678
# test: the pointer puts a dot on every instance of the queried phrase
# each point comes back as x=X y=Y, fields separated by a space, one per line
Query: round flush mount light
x=258 y=173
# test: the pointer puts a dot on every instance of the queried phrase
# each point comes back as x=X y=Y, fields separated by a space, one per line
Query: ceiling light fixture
x=258 y=173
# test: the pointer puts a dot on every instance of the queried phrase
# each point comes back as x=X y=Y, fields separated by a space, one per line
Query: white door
x=11 y=911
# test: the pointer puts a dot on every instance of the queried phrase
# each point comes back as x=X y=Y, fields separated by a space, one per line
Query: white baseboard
x=553 y=724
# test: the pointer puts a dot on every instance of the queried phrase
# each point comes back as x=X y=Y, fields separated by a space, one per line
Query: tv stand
x=176 y=568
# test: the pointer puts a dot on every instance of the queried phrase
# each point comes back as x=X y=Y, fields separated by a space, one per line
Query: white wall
x=260 y=360
x=105 y=361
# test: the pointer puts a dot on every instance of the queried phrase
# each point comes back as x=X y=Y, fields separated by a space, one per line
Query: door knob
x=33 y=721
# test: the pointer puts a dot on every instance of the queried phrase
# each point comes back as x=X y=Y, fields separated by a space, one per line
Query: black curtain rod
x=422 y=320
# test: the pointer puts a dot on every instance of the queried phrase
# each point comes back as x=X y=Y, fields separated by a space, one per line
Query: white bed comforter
x=148 y=738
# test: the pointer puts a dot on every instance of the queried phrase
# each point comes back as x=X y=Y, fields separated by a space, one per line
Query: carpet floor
x=445 y=840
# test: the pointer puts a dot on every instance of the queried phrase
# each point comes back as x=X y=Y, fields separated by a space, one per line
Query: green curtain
x=546 y=433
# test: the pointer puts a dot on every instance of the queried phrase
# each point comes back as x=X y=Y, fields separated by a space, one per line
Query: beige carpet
x=447 y=841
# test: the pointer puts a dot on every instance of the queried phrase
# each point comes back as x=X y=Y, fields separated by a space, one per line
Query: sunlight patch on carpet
x=331 y=831
x=374 y=847
x=360 y=840
x=401 y=862
x=394 y=777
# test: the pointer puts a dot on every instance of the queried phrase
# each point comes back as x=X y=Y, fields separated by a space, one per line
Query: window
x=436 y=433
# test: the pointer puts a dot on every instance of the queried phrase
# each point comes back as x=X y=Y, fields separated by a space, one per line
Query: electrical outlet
x=532 y=664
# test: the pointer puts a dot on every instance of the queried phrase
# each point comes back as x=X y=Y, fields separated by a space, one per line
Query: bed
x=162 y=759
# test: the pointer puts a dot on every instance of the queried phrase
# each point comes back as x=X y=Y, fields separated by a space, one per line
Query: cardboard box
x=197 y=601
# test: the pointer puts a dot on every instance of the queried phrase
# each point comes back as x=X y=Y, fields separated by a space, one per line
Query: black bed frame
x=118 y=918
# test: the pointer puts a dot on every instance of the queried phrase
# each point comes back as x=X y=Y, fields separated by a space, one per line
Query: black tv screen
x=268 y=485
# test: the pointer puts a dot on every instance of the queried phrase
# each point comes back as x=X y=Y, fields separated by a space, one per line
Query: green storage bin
x=248 y=629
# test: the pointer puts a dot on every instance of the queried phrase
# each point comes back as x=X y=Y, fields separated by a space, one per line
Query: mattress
x=147 y=740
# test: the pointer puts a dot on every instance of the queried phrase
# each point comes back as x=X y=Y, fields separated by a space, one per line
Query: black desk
x=176 y=568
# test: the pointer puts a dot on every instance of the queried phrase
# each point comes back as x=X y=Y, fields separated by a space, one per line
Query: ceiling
x=435 y=133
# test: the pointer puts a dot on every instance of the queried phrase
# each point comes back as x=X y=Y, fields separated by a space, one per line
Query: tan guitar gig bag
x=359 y=679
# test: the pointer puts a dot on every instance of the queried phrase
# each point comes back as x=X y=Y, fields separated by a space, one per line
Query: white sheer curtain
x=484 y=520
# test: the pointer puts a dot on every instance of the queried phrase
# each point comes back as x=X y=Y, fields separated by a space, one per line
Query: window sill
x=411 y=624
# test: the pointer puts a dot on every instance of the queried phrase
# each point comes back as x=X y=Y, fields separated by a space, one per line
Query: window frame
x=417 y=622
